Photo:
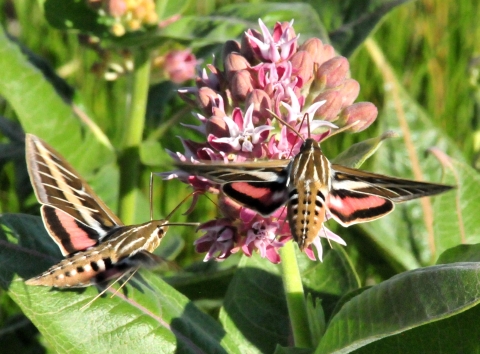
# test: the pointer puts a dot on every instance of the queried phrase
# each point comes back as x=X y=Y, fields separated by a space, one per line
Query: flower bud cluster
x=126 y=15
x=266 y=75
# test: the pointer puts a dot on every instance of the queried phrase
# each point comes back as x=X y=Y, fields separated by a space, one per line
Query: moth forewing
x=97 y=245
x=58 y=184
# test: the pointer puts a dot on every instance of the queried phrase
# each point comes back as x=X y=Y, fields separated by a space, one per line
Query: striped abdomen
x=309 y=186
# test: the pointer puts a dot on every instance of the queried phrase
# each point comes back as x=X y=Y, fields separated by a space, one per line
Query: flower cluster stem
x=134 y=126
x=297 y=309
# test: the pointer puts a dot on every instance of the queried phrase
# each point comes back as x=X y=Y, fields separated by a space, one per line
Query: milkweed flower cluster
x=266 y=75
x=124 y=16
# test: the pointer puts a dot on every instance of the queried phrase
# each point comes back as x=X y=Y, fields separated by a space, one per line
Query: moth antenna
x=151 y=196
x=180 y=204
x=101 y=293
x=342 y=129
x=292 y=129
x=125 y=282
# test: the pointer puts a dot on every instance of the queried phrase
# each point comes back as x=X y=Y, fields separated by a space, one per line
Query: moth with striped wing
x=312 y=188
x=98 y=247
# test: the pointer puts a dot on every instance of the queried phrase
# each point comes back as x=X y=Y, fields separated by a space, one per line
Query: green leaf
x=457 y=221
x=356 y=154
x=73 y=15
x=43 y=112
x=406 y=301
x=456 y=334
x=147 y=313
x=316 y=319
x=460 y=253
x=255 y=310
x=152 y=153
x=330 y=279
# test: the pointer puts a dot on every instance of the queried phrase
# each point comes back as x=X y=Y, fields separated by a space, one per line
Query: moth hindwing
x=98 y=247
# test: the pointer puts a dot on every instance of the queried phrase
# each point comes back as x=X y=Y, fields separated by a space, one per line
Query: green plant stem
x=297 y=309
x=132 y=138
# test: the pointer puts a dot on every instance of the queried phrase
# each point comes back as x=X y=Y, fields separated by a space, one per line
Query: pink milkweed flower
x=329 y=235
x=286 y=146
x=244 y=136
x=276 y=47
x=295 y=115
x=219 y=239
x=262 y=236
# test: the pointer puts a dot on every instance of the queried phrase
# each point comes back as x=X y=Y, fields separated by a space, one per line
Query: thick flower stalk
x=267 y=75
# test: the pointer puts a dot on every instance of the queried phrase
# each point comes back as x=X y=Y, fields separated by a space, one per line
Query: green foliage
x=380 y=293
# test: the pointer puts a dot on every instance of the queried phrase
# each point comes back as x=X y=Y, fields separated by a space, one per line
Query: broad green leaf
x=147 y=313
x=406 y=301
x=456 y=334
x=152 y=153
x=43 y=112
x=402 y=235
x=74 y=15
x=457 y=221
x=203 y=284
x=316 y=319
x=292 y=350
x=356 y=154
x=255 y=310
x=329 y=280
x=460 y=253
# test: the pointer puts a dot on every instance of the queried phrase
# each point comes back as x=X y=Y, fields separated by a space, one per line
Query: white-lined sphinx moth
x=311 y=187
x=98 y=247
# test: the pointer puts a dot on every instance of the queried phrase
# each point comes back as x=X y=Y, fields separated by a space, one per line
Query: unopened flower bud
x=230 y=47
x=319 y=52
x=118 y=29
x=151 y=18
x=206 y=99
x=246 y=47
x=302 y=64
x=364 y=113
x=261 y=105
x=233 y=63
x=217 y=127
x=331 y=108
x=333 y=72
x=280 y=28
x=241 y=84
x=349 y=92
x=116 y=8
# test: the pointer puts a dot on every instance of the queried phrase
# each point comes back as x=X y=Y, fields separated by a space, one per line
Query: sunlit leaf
x=406 y=301
x=457 y=222
x=356 y=154
x=43 y=112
